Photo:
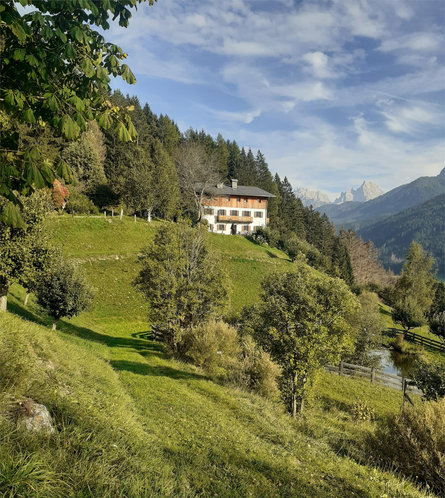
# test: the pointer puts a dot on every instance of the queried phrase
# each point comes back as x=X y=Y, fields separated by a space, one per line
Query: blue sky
x=332 y=92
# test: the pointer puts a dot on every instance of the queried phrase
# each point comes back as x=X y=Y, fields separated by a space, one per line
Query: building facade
x=235 y=209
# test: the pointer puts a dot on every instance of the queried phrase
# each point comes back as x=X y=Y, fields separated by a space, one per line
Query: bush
x=257 y=372
x=414 y=443
x=213 y=346
x=437 y=324
x=79 y=203
x=430 y=378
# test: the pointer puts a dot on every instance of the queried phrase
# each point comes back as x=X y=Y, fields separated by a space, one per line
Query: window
x=233 y=213
x=245 y=200
x=208 y=211
x=211 y=227
x=221 y=227
x=245 y=228
x=246 y=213
x=260 y=200
x=228 y=198
x=258 y=214
x=221 y=212
x=239 y=199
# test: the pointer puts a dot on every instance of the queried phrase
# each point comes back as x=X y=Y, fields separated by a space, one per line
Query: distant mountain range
x=415 y=211
x=367 y=191
x=357 y=214
x=316 y=198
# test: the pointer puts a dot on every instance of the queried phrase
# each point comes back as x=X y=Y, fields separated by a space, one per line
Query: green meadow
x=130 y=421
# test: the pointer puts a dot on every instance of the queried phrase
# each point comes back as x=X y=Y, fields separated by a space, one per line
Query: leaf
x=77 y=33
x=33 y=175
x=19 y=54
x=61 y=35
x=104 y=120
x=28 y=116
x=69 y=128
x=87 y=67
x=10 y=215
x=32 y=60
x=122 y=132
x=31 y=154
x=64 y=171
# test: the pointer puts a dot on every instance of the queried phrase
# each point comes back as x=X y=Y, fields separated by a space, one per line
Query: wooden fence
x=375 y=375
x=419 y=339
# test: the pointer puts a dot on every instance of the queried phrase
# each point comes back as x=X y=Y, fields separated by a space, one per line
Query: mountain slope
x=394 y=201
x=424 y=223
x=132 y=422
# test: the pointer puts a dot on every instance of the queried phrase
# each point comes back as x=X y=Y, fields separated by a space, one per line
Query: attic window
x=228 y=198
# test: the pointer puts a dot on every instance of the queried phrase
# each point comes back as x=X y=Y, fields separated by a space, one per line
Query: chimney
x=234 y=183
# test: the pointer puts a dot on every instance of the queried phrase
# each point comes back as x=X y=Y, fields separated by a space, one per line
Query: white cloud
x=421 y=41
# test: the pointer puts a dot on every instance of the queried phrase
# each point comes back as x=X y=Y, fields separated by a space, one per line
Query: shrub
x=437 y=324
x=79 y=203
x=213 y=346
x=257 y=372
x=430 y=378
x=414 y=443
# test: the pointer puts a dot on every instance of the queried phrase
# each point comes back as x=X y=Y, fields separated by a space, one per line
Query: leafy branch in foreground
x=55 y=72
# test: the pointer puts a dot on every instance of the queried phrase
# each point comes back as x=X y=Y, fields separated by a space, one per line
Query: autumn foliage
x=60 y=194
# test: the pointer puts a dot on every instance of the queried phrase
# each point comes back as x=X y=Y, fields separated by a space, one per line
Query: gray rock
x=33 y=417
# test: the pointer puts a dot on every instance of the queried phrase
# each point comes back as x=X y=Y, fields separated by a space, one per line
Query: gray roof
x=240 y=190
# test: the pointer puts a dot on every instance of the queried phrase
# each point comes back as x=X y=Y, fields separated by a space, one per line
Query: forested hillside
x=155 y=175
x=424 y=223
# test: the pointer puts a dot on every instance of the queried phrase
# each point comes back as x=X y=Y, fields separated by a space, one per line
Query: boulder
x=33 y=417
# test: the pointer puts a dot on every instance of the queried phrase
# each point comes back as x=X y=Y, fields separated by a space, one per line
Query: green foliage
x=24 y=251
x=414 y=443
x=368 y=324
x=429 y=376
x=182 y=281
x=302 y=323
x=62 y=290
x=79 y=203
x=414 y=289
x=213 y=346
x=55 y=72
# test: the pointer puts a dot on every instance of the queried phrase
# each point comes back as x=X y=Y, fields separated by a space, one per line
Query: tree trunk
x=3 y=294
x=149 y=215
x=122 y=213
x=55 y=321
x=25 y=302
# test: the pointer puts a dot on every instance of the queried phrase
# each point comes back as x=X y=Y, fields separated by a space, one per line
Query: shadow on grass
x=139 y=342
x=158 y=371
x=271 y=254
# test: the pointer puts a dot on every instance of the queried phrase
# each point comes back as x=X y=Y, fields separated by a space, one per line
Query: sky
x=332 y=92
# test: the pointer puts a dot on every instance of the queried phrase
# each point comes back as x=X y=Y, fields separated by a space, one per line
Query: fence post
x=112 y=212
x=122 y=213
x=372 y=374
x=403 y=391
x=340 y=368
x=105 y=214
x=135 y=218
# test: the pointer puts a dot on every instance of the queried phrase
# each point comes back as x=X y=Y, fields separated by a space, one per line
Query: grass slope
x=132 y=422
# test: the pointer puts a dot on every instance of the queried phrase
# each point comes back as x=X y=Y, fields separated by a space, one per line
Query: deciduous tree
x=303 y=324
x=182 y=281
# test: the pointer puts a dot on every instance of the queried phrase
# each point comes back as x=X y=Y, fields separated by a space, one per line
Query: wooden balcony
x=234 y=219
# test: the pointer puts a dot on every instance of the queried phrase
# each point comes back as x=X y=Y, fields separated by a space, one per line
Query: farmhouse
x=235 y=209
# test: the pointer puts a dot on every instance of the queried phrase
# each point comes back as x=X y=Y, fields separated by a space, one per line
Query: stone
x=33 y=416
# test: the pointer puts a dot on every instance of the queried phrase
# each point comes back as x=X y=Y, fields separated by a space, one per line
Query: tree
x=303 y=323
x=429 y=376
x=197 y=172
x=367 y=323
x=55 y=72
x=182 y=281
x=436 y=315
x=415 y=288
x=22 y=249
x=62 y=290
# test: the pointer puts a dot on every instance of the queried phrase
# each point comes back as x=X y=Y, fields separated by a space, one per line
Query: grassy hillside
x=132 y=422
